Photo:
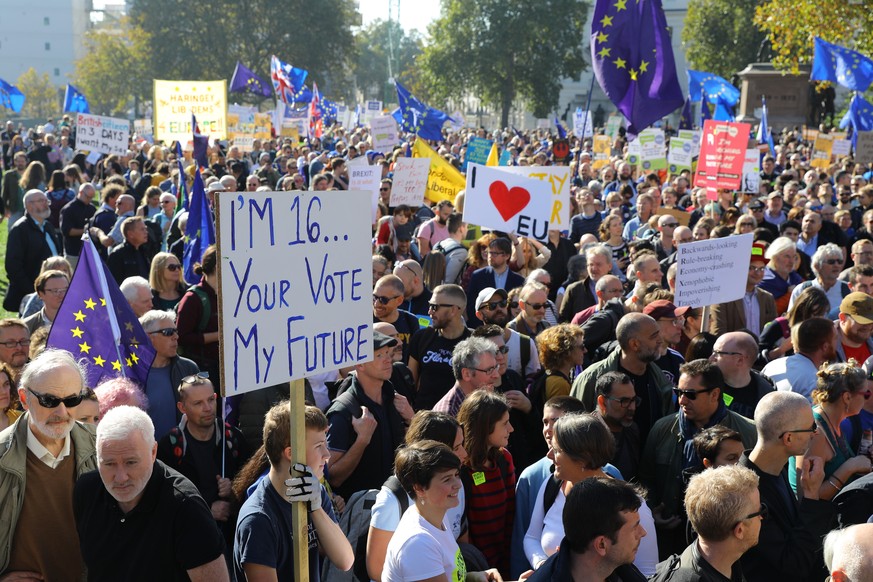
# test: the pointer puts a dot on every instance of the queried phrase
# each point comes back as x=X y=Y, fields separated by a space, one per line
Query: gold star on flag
x=620 y=5
x=602 y=37
x=604 y=52
x=102 y=302
x=127 y=361
x=99 y=361
x=79 y=315
x=128 y=326
x=135 y=358
x=606 y=21
x=644 y=66
x=116 y=365
x=77 y=332
x=633 y=75
x=134 y=344
x=90 y=303
x=84 y=347
x=620 y=63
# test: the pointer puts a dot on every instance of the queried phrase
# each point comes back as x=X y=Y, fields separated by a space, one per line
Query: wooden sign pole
x=299 y=511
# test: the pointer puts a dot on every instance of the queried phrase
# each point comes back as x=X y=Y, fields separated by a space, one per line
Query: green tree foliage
x=720 y=36
x=41 y=98
x=373 y=44
x=503 y=50
x=791 y=25
x=203 y=40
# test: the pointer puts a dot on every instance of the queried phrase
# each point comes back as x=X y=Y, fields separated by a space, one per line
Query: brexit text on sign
x=296 y=285
x=105 y=135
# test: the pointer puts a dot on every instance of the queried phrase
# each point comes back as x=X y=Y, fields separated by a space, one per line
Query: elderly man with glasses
x=167 y=371
x=44 y=454
x=474 y=364
x=827 y=264
x=751 y=311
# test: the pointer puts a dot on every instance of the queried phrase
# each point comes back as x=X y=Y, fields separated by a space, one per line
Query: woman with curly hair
x=840 y=392
x=10 y=409
x=561 y=349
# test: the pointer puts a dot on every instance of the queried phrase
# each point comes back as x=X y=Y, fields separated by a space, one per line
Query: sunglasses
x=762 y=513
x=49 y=401
x=505 y=350
x=495 y=305
x=536 y=306
x=166 y=332
x=174 y=267
x=195 y=379
x=814 y=428
x=833 y=262
x=690 y=394
x=436 y=306
x=383 y=300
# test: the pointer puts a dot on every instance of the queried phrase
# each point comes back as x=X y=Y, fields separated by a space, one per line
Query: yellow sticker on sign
x=478 y=478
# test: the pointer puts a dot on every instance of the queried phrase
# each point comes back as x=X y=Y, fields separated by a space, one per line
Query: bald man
x=852 y=557
x=415 y=292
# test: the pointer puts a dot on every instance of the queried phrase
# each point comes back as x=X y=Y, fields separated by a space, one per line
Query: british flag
x=287 y=80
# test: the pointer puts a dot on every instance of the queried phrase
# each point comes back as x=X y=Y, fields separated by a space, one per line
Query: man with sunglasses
x=492 y=308
x=751 y=311
x=532 y=301
x=43 y=455
x=167 y=371
x=669 y=448
x=790 y=544
x=387 y=297
x=725 y=509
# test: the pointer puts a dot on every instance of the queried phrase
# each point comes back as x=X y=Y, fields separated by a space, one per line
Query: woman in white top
x=581 y=445
x=423 y=548
x=386 y=512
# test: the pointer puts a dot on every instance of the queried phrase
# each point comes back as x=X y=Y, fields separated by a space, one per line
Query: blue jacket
x=481 y=279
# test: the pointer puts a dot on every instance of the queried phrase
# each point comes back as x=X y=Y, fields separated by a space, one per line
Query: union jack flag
x=287 y=80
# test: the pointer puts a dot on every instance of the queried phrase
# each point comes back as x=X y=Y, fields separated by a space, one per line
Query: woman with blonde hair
x=165 y=279
x=528 y=254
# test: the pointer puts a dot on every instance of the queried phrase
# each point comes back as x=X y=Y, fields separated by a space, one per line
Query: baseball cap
x=756 y=204
x=859 y=306
x=759 y=251
x=774 y=194
x=216 y=187
x=380 y=340
x=487 y=293
x=664 y=308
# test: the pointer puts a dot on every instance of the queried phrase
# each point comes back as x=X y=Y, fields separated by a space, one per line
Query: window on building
x=48 y=46
x=57 y=72
x=46 y=21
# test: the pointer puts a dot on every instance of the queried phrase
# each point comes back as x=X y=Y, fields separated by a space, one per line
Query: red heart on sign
x=508 y=201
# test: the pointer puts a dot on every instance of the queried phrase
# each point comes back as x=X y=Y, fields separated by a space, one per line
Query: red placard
x=722 y=152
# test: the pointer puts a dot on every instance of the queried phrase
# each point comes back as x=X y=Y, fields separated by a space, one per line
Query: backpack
x=524 y=342
x=536 y=392
x=205 y=311
x=355 y=524
x=844 y=289
x=448 y=250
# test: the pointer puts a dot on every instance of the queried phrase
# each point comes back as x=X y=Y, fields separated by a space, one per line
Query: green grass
x=4 y=282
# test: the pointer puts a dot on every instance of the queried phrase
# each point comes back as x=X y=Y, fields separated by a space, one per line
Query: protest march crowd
x=535 y=409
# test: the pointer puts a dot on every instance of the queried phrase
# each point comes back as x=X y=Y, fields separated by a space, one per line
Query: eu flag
x=74 y=101
x=562 y=133
x=11 y=97
x=200 y=143
x=633 y=60
x=287 y=80
x=686 y=121
x=716 y=88
x=859 y=116
x=199 y=231
x=245 y=80
x=764 y=133
x=838 y=64
x=96 y=324
x=416 y=117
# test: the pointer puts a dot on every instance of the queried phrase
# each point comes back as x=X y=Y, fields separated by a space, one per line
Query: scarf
x=687 y=430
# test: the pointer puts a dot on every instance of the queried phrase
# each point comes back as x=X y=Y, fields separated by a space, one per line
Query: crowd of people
x=538 y=410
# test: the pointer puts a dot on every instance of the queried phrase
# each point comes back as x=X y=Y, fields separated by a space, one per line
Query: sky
x=414 y=14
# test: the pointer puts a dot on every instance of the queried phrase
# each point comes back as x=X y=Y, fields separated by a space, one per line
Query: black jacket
x=26 y=249
x=558 y=568
x=855 y=502
x=127 y=261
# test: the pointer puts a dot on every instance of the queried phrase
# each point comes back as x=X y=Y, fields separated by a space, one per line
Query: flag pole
x=104 y=288
x=585 y=124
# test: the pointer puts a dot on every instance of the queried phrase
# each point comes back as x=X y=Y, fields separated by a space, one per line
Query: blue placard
x=478 y=150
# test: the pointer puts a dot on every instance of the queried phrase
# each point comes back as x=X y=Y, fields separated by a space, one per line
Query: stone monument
x=787 y=95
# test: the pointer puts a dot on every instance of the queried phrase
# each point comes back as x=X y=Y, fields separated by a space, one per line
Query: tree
x=790 y=26
x=203 y=40
x=720 y=36
x=41 y=98
x=502 y=50
x=373 y=44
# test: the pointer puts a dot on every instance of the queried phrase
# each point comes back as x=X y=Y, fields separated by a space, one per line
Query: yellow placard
x=602 y=149
x=263 y=126
x=176 y=101
x=444 y=181
x=821 y=152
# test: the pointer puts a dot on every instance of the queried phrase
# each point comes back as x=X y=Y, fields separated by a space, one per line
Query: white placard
x=558 y=178
x=712 y=271
x=543 y=123
x=679 y=156
x=372 y=109
x=583 y=123
x=107 y=135
x=410 y=181
x=864 y=148
x=752 y=171
x=296 y=285
x=841 y=147
x=366 y=178
x=383 y=130
x=458 y=121
x=501 y=200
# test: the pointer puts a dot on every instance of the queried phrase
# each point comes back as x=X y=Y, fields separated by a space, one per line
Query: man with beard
x=416 y=294
x=814 y=344
x=387 y=296
x=639 y=343
x=671 y=320
x=436 y=229
x=492 y=309
x=43 y=454
x=32 y=239
x=14 y=344
x=135 y=500
x=854 y=327
x=617 y=403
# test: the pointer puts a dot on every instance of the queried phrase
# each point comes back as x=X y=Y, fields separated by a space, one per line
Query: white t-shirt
x=385 y=514
x=419 y=551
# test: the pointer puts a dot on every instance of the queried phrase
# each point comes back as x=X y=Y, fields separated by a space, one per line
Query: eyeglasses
x=676 y=321
x=486 y=371
x=833 y=262
x=384 y=300
x=671 y=224
x=763 y=513
x=503 y=350
x=494 y=253
x=195 y=379
x=166 y=332
x=757 y=269
x=12 y=343
x=167 y=202
x=536 y=306
x=174 y=267
x=57 y=292
x=383 y=189
x=626 y=402
x=690 y=394
x=720 y=353
x=813 y=429
x=495 y=305
x=436 y=306
x=49 y=401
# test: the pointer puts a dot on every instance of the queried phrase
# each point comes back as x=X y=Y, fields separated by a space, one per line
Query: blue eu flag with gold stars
x=859 y=116
x=245 y=80
x=840 y=65
x=416 y=117
x=633 y=60
x=96 y=324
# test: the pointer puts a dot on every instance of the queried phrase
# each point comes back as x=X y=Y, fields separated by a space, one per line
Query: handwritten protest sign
x=410 y=181
x=707 y=270
x=582 y=123
x=722 y=154
x=383 y=129
x=478 y=150
x=176 y=101
x=558 y=178
x=821 y=151
x=106 y=135
x=295 y=285
x=143 y=129
x=507 y=202
x=366 y=178
x=864 y=148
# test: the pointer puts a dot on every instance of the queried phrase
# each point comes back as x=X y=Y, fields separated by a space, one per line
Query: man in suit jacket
x=497 y=275
x=751 y=311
